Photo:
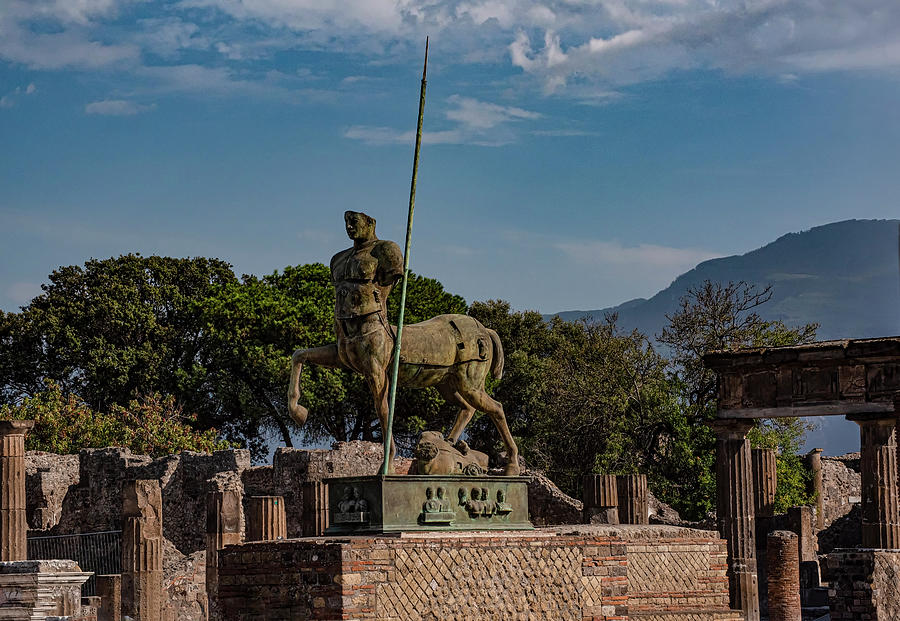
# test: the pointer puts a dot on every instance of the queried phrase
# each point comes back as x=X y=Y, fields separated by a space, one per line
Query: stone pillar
x=223 y=528
x=765 y=480
x=802 y=523
x=13 y=523
x=734 y=511
x=314 y=517
x=814 y=463
x=109 y=588
x=783 y=570
x=601 y=499
x=878 y=472
x=634 y=506
x=266 y=519
x=142 y=551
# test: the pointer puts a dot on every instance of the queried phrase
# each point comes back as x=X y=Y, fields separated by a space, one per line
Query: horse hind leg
x=463 y=417
x=493 y=408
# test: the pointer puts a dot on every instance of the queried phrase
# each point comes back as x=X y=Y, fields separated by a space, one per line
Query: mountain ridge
x=842 y=275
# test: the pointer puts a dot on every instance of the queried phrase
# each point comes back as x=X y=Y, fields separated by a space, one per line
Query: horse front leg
x=324 y=356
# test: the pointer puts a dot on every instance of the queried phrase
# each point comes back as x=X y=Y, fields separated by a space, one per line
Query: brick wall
x=865 y=584
x=593 y=572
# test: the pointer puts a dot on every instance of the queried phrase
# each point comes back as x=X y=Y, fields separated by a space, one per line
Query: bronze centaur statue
x=453 y=353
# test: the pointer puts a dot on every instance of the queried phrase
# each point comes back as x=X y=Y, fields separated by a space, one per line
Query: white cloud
x=116 y=107
x=9 y=100
x=473 y=121
x=646 y=256
x=572 y=48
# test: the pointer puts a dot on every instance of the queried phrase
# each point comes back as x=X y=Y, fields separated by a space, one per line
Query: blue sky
x=578 y=153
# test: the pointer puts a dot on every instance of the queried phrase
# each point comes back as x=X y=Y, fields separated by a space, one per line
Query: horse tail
x=498 y=359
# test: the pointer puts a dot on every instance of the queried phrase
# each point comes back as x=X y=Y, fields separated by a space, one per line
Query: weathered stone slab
x=392 y=503
x=35 y=590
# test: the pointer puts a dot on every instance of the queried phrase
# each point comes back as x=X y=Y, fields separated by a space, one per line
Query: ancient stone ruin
x=212 y=537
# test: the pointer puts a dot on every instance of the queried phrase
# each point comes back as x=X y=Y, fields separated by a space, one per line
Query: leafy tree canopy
x=153 y=425
x=115 y=329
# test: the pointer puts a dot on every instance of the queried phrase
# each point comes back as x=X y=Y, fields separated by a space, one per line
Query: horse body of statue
x=453 y=353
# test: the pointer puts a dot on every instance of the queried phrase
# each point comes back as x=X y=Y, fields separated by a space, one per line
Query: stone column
x=783 y=570
x=601 y=499
x=13 y=523
x=314 y=517
x=634 y=507
x=223 y=528
x=878 y=472
x=266 y=519
x=734 y=511
x=814 y=463
x=142 y=552
x=765 y=480
x=109 y=588
x=802 y=520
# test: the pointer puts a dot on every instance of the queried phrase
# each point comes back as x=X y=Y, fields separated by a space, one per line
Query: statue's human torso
x=363 y=277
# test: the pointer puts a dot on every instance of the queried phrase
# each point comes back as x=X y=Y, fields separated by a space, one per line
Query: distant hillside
x=845 y=276
x=842 y=275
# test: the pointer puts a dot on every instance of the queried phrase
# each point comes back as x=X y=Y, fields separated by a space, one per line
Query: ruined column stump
x=734 y=512
x=314 y=518
x=634 y=506
x=814 y=463
x=601 y=499
x=878 y=473
x=765 y=482
x=142 y=551
x=783 y=570
x=802 y=522
x=223 y=528
x=266 y=519
x=13 y=523
x=109 y=588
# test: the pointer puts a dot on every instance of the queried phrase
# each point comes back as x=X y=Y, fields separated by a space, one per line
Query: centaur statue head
x=453 y=353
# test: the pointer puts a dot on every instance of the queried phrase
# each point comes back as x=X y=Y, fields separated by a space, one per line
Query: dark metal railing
x=99 y=552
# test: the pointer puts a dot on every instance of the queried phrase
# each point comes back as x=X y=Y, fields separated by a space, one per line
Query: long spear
x=395 y=368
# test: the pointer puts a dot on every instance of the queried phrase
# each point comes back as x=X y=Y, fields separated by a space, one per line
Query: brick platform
x=646 y=573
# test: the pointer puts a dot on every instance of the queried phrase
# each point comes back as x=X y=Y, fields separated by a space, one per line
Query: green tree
x=715 y=316
x=152 y=425
x=118 y=328
x=112 y=330
x=585 y=397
